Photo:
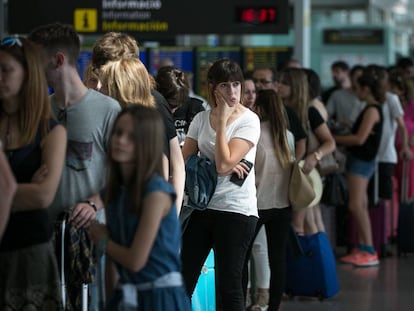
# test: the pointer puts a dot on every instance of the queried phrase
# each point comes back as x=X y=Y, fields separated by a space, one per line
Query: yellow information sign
x=85 y=20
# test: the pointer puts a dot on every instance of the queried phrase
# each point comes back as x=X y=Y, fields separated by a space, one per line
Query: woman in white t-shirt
x=226 y=134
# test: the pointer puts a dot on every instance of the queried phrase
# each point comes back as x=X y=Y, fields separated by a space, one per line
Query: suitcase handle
x=62 y=263
x=404 y=181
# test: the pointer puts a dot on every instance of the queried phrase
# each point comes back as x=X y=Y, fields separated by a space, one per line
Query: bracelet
x=91 y=203
x=318 y=155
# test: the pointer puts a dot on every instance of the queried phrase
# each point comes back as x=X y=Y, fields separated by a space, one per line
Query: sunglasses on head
x=11 y=41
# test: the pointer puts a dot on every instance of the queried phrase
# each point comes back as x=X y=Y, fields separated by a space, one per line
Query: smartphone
x=235 y=178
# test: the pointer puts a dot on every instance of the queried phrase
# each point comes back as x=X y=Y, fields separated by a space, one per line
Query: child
x=143 y=234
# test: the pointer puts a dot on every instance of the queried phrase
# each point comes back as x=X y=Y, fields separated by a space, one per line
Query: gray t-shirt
x=88 y=123
x=344 y=106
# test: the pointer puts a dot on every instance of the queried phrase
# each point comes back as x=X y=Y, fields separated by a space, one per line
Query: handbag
x=328 y=164
x=335 y=190
x=301 y=192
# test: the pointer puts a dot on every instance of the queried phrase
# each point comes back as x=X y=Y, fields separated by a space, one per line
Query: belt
x=172 y=279
x=129 y=290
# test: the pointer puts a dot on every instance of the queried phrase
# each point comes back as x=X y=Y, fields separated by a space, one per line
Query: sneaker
x=350 y=258
x=366 y=260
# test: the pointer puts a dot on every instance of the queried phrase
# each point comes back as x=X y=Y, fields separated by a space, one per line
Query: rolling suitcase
x=312 y=274
x=405 y=230
x=63 y=285
x=204 y=296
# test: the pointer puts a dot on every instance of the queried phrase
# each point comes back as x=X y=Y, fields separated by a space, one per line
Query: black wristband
x=91 y=203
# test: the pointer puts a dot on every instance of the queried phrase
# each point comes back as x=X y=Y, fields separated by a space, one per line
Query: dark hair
x=248 y=75
x=355 y=69
x=314 y=83
x=172 y=84
x=57 y=36
x=341 y=65
x=405 y=62
x=375 y=78
x=148 y=140
x=269 y=107
x=224 y=70
x=271 y=68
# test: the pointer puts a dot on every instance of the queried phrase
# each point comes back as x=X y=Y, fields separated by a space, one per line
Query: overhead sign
x=152 y=17
x=354 y=36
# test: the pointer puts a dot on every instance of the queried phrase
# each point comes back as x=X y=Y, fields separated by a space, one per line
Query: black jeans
x=230 y=235
x=277 y=225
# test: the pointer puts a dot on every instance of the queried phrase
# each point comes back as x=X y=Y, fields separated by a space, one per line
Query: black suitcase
x=405 y=231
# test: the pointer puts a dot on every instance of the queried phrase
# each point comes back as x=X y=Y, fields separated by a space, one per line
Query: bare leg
x=298 y=220
x=358 y=206
x=317 y=214
x=310 y=221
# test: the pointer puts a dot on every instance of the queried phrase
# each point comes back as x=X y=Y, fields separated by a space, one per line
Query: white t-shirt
x=391 y=110
x=228 y=196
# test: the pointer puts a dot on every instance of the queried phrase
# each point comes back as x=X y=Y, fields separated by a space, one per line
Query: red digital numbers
x=258 y=15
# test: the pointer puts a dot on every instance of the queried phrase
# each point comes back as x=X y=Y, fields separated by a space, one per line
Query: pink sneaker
x=351 y=258
x=366 y=260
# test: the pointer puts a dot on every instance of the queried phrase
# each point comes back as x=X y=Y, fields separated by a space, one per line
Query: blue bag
x=200 y=181
x=204 y=295
x=312 y=274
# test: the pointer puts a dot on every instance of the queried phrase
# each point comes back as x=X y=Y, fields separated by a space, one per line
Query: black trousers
x=277 y=226
x=230 y=235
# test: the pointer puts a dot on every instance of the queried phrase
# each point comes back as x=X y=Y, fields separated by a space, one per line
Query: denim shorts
x=359 y=167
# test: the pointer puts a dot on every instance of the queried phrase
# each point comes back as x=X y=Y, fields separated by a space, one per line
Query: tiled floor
x=389 y=287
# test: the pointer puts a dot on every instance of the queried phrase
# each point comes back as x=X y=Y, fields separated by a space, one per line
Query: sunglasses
x=11 y=41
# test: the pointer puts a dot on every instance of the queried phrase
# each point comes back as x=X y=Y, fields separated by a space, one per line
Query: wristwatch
x=91 y=203
x=318 y=155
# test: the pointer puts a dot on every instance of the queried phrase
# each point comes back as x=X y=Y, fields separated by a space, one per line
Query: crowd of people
x=106 y=156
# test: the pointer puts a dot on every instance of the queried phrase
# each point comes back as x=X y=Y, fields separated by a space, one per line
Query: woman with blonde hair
x=128 y=81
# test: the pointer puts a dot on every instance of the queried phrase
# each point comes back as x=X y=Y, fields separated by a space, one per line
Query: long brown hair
x=269 y=107
x=34 y=111
x=299 y=92
x=375 y=77
x=148 y=140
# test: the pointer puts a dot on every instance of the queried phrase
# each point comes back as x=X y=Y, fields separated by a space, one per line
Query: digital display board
x=150 y=18
x=205 y=56
x=181 y=57
x=254 y=57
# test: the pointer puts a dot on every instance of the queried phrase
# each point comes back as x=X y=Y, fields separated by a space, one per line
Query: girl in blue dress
x=142 y=238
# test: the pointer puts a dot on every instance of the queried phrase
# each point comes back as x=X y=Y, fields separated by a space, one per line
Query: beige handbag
x=301 y=192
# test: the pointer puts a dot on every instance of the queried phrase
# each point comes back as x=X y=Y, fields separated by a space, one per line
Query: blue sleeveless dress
x=163 y=259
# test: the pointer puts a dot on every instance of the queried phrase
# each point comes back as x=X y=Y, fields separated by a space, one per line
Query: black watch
x=92 y=203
